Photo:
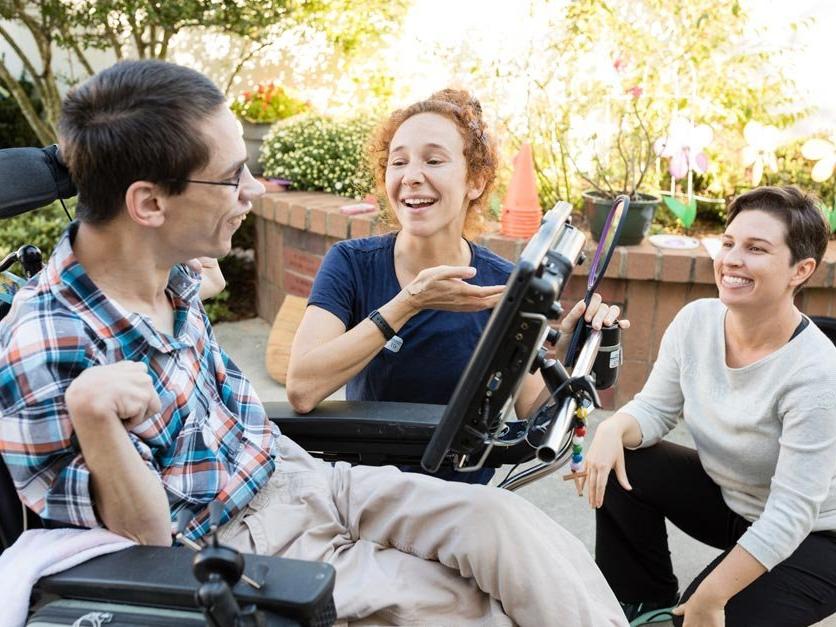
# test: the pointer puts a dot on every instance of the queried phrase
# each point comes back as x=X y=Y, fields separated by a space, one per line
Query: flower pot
x=253 y=138
x=639 y=216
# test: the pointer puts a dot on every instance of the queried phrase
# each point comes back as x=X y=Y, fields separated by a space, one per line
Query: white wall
x=65 y=66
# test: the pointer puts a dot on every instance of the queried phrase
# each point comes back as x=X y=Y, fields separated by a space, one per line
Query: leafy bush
x=237 y=301
x=318 y=153
x=41 y=228
x=266 y=104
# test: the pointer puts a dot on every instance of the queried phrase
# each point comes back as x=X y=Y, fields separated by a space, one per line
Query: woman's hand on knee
x=606 y=453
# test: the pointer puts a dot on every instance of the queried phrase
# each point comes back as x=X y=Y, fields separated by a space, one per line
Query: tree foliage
x=590 y=61
x=146 y=29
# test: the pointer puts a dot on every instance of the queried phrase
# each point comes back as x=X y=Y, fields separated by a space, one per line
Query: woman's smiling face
x=427 y=177
x=754 y=265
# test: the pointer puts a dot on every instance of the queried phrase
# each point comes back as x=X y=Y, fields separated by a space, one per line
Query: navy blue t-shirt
x=358 y=276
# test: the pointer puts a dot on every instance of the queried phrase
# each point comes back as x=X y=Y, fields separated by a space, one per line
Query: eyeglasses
x=231 y=182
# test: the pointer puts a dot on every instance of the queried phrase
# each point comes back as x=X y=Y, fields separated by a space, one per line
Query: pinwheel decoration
x=759 y=154
x=685 y=146
x=823 y=152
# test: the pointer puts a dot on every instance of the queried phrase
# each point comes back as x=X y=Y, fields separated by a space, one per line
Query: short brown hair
x=480 y=152
x=807 y=230
x=135 y=121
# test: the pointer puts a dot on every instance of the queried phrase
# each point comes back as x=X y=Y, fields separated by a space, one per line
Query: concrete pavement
x=245 y=342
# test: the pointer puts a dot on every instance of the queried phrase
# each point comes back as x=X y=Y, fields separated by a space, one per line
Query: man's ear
x=141 y=200
x=803 y=270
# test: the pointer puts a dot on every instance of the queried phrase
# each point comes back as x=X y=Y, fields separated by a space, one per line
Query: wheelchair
x=204 y=582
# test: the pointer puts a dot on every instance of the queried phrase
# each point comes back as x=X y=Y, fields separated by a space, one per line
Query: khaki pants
x=414 y=550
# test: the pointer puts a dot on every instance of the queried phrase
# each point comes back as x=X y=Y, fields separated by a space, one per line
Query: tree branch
x=241 y=63
x=152 y=39
x=167 y=35
x=646 y=162
x=82 y=58
x=114 y=41
x=46 y=135
x=621 y=154
x=138 y=42
x=596 y=187
x=27 y=64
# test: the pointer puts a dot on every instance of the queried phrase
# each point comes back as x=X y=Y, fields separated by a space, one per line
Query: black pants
x=631 y=543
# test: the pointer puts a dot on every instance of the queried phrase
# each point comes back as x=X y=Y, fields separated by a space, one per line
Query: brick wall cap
x=643 y=261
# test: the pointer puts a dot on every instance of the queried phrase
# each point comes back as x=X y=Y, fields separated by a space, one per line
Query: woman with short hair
x=755 y=383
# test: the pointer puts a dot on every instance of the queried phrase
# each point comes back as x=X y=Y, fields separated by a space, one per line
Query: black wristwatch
x=393 y=342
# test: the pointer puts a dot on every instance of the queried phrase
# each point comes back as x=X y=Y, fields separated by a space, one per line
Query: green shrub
x=237 y=301
x=318 y=153
x=41 y=228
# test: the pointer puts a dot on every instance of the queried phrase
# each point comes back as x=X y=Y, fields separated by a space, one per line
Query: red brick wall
x=294 y=230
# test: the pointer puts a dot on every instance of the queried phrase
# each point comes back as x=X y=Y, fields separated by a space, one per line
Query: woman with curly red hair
x=396 y=317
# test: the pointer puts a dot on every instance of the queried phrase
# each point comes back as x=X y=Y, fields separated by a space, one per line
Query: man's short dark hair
x=807 y=230
x=135 y=121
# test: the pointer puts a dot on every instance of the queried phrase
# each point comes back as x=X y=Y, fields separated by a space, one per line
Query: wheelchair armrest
x=162 y=576
x=368 y=432
x=374 y=433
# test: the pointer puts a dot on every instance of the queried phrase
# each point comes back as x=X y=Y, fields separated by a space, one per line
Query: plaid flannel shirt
x=211 y=439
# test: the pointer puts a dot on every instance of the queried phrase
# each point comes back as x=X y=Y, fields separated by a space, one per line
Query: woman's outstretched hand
x=444 y=287
x=605 y=454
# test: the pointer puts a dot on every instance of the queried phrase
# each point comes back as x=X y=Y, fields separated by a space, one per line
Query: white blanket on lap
x=41 y=552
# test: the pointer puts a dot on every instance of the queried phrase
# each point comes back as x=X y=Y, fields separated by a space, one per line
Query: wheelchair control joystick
x=219 y=568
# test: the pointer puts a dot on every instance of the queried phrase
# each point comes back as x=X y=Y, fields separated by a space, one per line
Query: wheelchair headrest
x=827 y=325
x=31 y=178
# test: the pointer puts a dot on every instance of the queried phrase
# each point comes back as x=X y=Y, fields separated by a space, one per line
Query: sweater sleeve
x=658 y=406
x=804 y=471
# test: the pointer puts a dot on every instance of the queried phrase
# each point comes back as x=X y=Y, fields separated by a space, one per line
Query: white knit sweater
x=765 y=433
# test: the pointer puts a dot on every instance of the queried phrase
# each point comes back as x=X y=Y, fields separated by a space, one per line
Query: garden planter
x=636 y=225
x=253 y=137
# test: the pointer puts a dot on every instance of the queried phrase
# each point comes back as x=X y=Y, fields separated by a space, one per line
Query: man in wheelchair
x=120 y=410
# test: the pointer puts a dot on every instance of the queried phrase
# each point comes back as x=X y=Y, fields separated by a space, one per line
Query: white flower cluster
x=317 y=153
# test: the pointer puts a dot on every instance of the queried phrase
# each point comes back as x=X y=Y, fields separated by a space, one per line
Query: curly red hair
x=479 y=148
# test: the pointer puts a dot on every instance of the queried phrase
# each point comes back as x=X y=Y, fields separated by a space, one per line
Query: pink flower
x=619 y=64
x=635 y=91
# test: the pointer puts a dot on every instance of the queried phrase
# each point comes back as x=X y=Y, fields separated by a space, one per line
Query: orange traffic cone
x=521 y=212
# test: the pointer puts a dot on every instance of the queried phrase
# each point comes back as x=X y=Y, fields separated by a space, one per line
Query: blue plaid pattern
x=211 y=440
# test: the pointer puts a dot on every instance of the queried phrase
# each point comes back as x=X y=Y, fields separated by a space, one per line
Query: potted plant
x=619 y=160
x=321 y=153
x=258 y=110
